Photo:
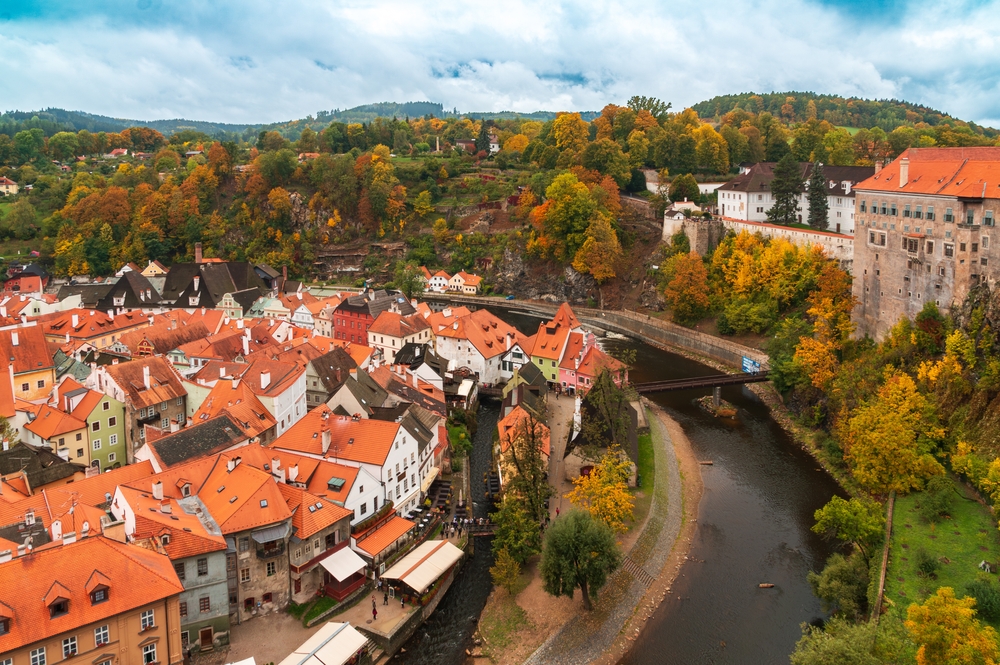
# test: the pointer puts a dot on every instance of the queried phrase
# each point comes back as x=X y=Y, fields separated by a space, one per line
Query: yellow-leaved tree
x=604 y=493
x=600 y=253
x=948 y=632
x=891 y=439
x=830 y=308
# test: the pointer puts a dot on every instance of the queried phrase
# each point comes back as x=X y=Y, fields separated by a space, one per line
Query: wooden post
x=717 y=396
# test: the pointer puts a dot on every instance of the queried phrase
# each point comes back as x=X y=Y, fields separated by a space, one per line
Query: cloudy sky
x=252 y=61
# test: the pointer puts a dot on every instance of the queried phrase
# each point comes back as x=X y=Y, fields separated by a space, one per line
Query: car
x=510 y=297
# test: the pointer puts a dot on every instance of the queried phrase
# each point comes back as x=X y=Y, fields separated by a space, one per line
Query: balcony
x=270 y=550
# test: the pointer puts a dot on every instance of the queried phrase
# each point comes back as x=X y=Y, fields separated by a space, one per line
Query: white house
x=438 y=283
x=463 y=282
x=391 y=330
x=477 y=341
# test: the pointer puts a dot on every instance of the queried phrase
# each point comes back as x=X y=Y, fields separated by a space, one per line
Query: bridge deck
x=700 y=382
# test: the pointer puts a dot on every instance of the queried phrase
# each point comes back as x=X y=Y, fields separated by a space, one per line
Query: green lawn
x=959 y=542
x=642 y=503
x=322 y=605
x=851 y=130
x=9 y=248
x=502 y=618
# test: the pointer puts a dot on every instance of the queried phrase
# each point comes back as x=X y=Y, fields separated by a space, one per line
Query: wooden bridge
x=711 y=381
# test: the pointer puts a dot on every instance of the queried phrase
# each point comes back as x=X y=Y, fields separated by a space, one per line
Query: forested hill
x=792 y=107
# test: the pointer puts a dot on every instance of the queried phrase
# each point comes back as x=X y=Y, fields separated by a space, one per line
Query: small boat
x=765 y=585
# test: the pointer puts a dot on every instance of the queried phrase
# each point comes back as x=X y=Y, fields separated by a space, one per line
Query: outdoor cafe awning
x=431 y=475
x=425 y=564
x=343 y=563
x=333 y=644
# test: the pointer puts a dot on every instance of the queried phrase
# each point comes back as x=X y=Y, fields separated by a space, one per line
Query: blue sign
x=750 y=366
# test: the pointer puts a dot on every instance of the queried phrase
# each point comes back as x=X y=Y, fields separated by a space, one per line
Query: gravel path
x=586 y=637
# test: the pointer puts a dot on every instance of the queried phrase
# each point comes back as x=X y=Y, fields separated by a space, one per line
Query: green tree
x=528 y=471
x=21 y=221
x=516 y=533
x=684 y=188
x=786 y=187
x=408 y=278
x=579 y=553
x=423 y=205
x=656 y=107
x=606 y=157
x=63 y=145
x=505 y=571
x=843 y=642
x=843 y=585
x=483 y=139
x=858 y=521
x=819 y=208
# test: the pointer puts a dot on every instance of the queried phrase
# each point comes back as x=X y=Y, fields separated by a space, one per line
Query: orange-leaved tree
x=948 y=632
x=687 y=288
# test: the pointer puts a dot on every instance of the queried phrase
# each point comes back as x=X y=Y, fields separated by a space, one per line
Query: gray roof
x=207 y=438
x=40 y=464
x=759 y=176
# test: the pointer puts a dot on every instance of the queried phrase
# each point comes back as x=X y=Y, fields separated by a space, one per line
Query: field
x=958 y=542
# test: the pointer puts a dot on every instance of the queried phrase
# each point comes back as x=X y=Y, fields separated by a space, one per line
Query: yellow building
x=91 y=601
x=34 y=370
x=92 y=326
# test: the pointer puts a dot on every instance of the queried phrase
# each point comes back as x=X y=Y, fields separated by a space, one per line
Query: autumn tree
x=516 y=143
x=528 y=473
x=948 y=632
x=830 y=306
x=606 y=156
x=604 y=492
x=505 y=571
x=687 y=289
x=565 y=216
x=600 y=253
x=891 y=438
x=423 y=205
x=579 y=553
x=516 y=532
x=819 y=208
x=786 y=187
x=572 y=134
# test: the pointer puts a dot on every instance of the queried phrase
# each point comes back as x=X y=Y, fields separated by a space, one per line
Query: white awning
x=333 y=644
x=424 y=565
x=343 y=563
x=431 y=475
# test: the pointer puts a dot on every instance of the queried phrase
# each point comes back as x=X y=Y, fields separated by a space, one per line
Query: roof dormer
x=57 y=600
x=98 y=587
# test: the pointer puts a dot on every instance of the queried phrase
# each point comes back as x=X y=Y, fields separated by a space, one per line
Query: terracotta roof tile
x=165 y=383
x=188 y=533
x=310 y=513
x=385 y=536
x=363 y=441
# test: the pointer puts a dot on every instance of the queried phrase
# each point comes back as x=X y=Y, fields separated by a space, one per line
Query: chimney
x=326 y=440
x=236 y=382
x=69 y=538
x=904 y=171
x=197 y=281
x=197 y=253
x=56 y=528
x=293 y=473
x=275 y=464
x=239 y=324
x=878 y=165
x=145 y=376
x=158 y=490
x=165 y=507
x=246 y=346
x=13 y=338
x=85 y=530
x=150 y=319
x=284 y=276
x=222 y=372
x=76 y=320
x=265 y=380
x=111 y=314
x=6 y=556
x=509 y=336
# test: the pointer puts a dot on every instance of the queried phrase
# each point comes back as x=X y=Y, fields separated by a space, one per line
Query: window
x=918 y=214
x=982 y=261
x=97 y=444
x=179 y=569
x=911 y=245
x=58 y=609
x=988 y=218
x=165 y=423
x=862 y=208
x=179 y=401
x=142 y=413
x=163 y=406
x=98 y=596
x=929 y=248
x=298 y=554
x=364 y=508
x=112 y=421
x=106 y=405
x=184 y=608
x=6 y=661
x=112 y=456
x=149 y=653
x=949 y=250
x=204 y=604
x=113 y=440
x=245 y=575
x=38 y=656
x=101 y=636
x=876 y=238
x=69 y=646
x=930 y=213
x=4 y=629
x=79 y=452
x=95 y=426
x=975 y=247
x=79 y=436
x=948 y=216
x=970 y=217
x=961 y=246
x=906 y=211
x=41 y=384
x=146 y=620
x=272 y=568
x=25 y=388
x=202 y=567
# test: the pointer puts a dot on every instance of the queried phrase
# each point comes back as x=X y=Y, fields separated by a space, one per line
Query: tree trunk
x=586 y=597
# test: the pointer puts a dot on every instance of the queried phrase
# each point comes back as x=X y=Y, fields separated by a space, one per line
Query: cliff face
x=542 y=280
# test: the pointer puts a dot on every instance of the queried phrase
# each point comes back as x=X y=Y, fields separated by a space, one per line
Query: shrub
x=927 y=565
x=984 y=590
x=937 y=498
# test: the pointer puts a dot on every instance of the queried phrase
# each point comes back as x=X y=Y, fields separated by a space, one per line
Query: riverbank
x=558 y=627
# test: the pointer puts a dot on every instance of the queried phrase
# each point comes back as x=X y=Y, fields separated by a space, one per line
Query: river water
x=753 y=527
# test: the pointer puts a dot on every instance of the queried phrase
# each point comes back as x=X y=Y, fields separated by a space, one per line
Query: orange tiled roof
x=363 y=441
x=53 y=422
x=310 y=514
x=595 y=360
x=30 y=354
x=396 y=325
x=962 y=172
x=515 y=423
x=549 y=341
x=484 y=331
x=242 y=498
x=565 y=318
x=385 y=536
x=319 y=480
x=164 y=382
x=136 y=577
x=573 y=348
x=188 y=535
x=90 y=323
x=237 y=399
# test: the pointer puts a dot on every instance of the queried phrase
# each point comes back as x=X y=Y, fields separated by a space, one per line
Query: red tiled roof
x=164 y=382
x=963 y=172
x=136 y=577
x=363 y=441
x=53 y=422
x=385 y=536
x=90 y=323
x=188 y=536
x=30 y=354
x=310 y=514
x=396 y=325
x=242 y=498
x=515 y=424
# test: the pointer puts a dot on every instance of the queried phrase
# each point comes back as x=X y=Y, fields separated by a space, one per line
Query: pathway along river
x=753 y=527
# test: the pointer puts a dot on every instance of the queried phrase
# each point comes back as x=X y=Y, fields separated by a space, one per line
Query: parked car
x=510 y=297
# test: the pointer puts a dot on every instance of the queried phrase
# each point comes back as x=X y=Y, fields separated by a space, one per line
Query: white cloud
x=250 y=62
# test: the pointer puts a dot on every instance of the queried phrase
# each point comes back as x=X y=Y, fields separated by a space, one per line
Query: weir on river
x=753 y=526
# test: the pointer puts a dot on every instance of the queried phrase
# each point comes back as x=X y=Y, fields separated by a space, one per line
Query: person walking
x=373 y=602
x=374 y=614
x=385 y=597
x=557 y=511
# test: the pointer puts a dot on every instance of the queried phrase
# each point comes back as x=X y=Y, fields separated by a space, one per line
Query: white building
x=748 y=197
x=478 y=341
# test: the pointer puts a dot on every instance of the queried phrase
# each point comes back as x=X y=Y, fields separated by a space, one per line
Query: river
x=753 y=527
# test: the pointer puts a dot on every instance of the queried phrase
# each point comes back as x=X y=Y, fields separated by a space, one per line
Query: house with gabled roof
x=89 y=598
x=390 y=331
x=463 y=282
x=26 y=352
x=185 y=531
x=104 y=419
x=438 y=282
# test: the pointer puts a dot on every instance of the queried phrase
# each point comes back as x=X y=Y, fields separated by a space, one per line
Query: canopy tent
x=425 y=564
x=333 y=644
x=343 y=563
x=431 y=476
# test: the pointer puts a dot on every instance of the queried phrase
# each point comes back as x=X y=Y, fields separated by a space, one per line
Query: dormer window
x=58 y=608
x=186 y=489
x=99 y=595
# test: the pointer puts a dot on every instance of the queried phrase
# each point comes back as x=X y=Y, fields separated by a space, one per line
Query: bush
x=927 y=565
x=843 y=585
x=937 y=498
x=984 y=589
x=742 y=316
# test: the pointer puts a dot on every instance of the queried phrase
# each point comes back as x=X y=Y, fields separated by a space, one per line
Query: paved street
x=560 y=418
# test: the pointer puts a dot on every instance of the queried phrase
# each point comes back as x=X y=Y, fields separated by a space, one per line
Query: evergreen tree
x=786 y=187
x=483 y=140
x=818 y=206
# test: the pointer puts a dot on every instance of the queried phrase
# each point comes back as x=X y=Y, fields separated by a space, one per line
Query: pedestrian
x=374 y=614
x=401 y=603
x=385 y=597
x=373 y=602
x=557 y=511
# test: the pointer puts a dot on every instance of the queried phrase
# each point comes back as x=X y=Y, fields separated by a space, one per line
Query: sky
x=255 y=62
